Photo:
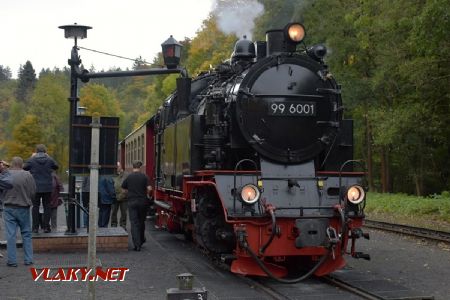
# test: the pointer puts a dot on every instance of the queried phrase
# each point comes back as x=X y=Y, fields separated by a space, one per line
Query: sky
x=130 y=28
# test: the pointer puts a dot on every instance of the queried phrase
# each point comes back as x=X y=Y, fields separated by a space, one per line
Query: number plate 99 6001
x=292 y=108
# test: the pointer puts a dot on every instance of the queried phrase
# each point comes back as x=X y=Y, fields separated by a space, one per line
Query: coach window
x=126 y=155
x=142 y=148
x=131 y=152
x=134 y=150
x=139 y=148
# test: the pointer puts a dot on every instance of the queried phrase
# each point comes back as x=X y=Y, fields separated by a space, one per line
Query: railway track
x=340 y=286
x=366 y=294
x=430 y=234
x=347 y=288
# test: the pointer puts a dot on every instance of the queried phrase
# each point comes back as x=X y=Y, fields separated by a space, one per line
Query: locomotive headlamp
x=356 y=194
x=250 y=194
x=295 y=32
x=171 y=51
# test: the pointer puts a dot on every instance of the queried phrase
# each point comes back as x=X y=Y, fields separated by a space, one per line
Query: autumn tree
x=26 y=82
x=50 y=105
x=26 y=135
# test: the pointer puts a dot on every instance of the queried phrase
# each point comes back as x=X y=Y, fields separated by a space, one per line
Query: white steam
x=237 y=16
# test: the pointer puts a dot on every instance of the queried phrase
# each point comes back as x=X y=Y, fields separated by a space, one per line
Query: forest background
x=392 y=59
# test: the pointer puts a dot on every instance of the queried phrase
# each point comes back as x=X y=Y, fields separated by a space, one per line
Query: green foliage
x=7 y=98
x=404 y=206
x=5 y=73
x=209 y=47
x=26 y=82
x=51 y=107
x=391 y=58
x=99 y=100
x=26 y=135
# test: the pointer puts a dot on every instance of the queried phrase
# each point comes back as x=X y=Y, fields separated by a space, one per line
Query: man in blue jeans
x=17 y=202
x=5 y=184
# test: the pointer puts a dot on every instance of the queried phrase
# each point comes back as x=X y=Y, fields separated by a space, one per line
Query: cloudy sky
x=130 y=28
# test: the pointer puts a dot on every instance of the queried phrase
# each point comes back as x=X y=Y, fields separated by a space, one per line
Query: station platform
x=108 y=239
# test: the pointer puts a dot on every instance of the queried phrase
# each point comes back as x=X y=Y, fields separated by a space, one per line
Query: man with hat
x=41 y=166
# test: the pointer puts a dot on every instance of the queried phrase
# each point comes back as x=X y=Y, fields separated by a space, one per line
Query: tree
x=26 y=135
x=27 y=81
x=100 y=101
x=209 y=47
x=49 y=104
x=5 y=73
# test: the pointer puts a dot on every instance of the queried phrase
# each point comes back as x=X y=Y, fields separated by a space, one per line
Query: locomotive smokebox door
x=312 y=233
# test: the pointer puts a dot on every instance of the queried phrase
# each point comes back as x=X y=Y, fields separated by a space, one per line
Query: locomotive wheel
x=209 y=206
x=215 y=236
x=211 y=230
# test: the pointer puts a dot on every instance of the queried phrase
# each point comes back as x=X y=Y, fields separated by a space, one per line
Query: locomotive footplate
x=312 y=233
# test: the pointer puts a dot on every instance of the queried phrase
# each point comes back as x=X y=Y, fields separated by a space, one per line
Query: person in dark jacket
x=17 y=203
x=41 y=166
x=137 y=187
x=107 y=196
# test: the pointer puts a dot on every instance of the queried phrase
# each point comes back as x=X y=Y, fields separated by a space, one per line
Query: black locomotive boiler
x=254 y=161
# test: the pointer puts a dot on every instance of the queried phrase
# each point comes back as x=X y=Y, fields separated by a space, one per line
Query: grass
x=430 y=212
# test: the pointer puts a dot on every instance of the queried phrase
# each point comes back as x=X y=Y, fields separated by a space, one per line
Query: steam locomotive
x=253 y=161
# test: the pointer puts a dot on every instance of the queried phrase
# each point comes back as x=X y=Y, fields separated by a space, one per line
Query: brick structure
x=108 y=239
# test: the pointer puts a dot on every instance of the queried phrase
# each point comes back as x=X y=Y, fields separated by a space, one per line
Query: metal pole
x=93 y=192
x=74 y=62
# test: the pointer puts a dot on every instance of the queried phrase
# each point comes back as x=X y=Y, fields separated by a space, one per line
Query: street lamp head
x=81 y=110
x=75 y=31
x=171 y=51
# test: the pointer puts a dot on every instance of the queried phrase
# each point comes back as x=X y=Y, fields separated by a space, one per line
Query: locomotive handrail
x=357 y=161
x=247 y=93
x=284 y=95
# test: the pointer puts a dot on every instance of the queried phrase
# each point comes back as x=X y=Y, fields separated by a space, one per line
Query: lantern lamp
x=171 y=51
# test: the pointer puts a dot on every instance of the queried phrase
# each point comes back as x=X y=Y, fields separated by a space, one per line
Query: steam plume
x=237 y=16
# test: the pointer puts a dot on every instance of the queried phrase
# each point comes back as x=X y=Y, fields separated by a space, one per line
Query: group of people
x=125 y=193
x=23 y=185
x=111 y=199
x=28 y=184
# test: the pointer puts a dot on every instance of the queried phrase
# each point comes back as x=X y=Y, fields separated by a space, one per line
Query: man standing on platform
x=41 y=166
x=17 y=202
x=106 y=197
x=137 y=187
x=5 y=184
x=121 y=202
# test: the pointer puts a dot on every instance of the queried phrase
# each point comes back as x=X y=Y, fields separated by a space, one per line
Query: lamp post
x=76 y=32
x=171 y=50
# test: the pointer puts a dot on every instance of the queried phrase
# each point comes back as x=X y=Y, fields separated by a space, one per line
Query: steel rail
x=349 y=288
x=329 y=279
x=442 y=236
x=273 y=293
